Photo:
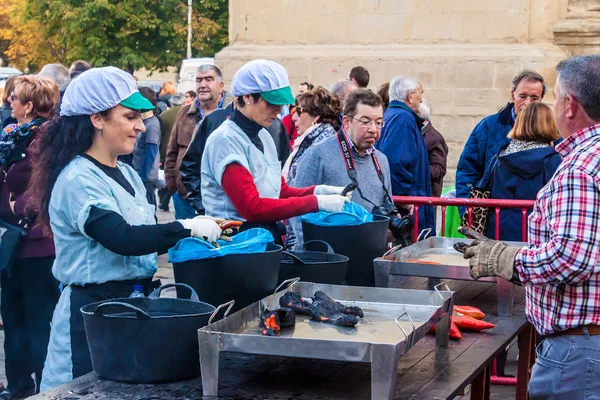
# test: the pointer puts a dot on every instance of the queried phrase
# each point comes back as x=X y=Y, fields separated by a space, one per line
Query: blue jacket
x=484 y=143
x=520 y=176
x=403 y=144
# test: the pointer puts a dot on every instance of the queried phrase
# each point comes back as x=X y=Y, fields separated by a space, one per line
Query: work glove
x=325 y=189
x=331 y=202
x=491 y=258
x=202 y=227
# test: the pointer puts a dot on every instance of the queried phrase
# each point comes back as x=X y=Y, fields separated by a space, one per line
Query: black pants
x=92 y=293
x=29 y=294
x=164 y=197
x=150 y=193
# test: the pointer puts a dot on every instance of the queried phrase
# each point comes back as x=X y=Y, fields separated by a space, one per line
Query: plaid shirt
x=560 y=268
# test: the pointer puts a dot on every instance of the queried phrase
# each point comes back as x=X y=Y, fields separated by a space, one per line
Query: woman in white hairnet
x=105 y=233
x=241 y=175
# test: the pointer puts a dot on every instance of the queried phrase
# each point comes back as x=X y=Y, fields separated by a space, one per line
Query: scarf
x=14 y=135
x=313 y=135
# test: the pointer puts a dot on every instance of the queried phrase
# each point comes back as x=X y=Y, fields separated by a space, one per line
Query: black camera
x=401 y=227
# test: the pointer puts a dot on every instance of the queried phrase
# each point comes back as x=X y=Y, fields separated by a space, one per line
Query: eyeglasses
x=300 y=110
x=13 y=97
x=366 y=122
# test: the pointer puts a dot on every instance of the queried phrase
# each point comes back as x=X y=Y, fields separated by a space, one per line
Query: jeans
x=183 y=208
x=567 y=367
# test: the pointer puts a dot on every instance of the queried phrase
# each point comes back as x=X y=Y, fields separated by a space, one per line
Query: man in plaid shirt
x=560 y=268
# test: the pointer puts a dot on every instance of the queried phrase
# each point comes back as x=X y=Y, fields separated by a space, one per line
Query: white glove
x=325 y=189
x=202 y=227
x=331 y=202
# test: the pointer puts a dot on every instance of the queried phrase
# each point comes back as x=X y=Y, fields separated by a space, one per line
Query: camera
x=401 y=227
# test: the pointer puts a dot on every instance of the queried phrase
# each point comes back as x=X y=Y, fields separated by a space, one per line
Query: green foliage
x=129 y=34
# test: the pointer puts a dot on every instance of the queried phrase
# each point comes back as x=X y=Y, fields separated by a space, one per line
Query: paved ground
x=165 y=273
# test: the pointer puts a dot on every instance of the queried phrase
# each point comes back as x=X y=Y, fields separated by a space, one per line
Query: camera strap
x=351 y=168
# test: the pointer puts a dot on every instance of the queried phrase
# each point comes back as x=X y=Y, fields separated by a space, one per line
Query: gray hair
x=578 y=76
x=340 y=87
x=210 y=67
x=58 y=73
x=528 y=75
x=402 y=86
x=425 y=109
x=177 y=99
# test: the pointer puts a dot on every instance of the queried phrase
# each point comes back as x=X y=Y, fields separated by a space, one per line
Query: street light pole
x=189 y=36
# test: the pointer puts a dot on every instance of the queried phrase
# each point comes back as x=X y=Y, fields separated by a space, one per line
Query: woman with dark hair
x=317 y=115
x=29 y=291
x=384 y=93
x=241 y=174
x=105 y=233
x=145 y=153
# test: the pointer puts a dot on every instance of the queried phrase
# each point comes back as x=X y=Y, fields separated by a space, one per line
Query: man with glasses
x=403 y=144
x=325 y=163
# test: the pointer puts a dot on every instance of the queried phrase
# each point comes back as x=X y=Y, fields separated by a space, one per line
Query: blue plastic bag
x=250 y=241
x=353 y=214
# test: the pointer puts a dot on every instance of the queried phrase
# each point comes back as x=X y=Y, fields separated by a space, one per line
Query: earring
x=314 y=123
x=99 y=131
x=25 y=115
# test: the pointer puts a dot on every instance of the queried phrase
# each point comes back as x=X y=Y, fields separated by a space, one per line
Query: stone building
x=464 y=52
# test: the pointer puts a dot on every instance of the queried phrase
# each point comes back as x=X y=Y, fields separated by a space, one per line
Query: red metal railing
x=497 y=205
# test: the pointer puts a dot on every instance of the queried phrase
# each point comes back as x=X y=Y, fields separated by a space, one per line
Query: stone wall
x=465 y=53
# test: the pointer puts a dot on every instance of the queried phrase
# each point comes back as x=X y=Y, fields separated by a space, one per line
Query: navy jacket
x=403 y=144
x=520 y=175
x=484 y=143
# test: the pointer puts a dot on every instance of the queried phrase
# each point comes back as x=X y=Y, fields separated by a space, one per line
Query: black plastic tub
x=245 y=278
x=146 y=340
x=361 y=244
x=313 y=266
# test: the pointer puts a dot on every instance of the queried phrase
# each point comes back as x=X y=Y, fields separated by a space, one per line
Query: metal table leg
x=384 y=370
x=209 y=362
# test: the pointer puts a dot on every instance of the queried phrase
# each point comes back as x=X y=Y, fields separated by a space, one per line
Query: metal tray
x=394 y=320
x=451 y=265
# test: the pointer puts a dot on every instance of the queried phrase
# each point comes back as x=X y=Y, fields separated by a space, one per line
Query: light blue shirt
x=79 y=258
x=229 y=144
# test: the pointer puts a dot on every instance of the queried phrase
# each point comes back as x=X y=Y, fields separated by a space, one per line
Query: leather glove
x=202 y=227
x=491 y=258
x=325 y=189
x=331 y=202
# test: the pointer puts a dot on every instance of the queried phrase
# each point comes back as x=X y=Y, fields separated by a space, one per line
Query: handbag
x=10 y=239
x=480 y=216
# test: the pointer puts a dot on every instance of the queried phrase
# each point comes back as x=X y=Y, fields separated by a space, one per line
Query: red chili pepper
x=454 y=333
x=470 y=323
x=470 y=311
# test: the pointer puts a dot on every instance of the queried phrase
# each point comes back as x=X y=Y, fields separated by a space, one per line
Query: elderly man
x=342 y=88
x=560 y=268
x=437 y=149
x=209 y=97
x=403 y=144
x=491 y=133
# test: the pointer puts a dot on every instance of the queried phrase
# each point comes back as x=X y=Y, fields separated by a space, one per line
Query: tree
x=128 y=34
x=23 y=41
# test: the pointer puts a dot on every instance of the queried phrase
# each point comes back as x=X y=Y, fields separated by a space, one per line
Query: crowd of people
x=84 y=153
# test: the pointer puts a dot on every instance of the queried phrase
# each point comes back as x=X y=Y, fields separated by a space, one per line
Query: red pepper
x=470 y=311
x=454 y=333
x=470 y=323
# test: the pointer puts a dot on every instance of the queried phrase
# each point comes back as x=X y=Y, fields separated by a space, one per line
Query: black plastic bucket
x=245 y=278
x=313 y=266
x=148 y=339
x=361 y=244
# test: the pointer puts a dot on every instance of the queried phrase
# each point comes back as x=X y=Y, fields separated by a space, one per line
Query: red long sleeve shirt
x=239 y=185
